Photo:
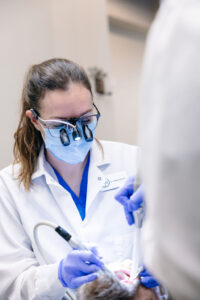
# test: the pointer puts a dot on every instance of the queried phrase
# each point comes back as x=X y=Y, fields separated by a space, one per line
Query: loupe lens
x=87 y=132
x=64 y=137
x=76 y=134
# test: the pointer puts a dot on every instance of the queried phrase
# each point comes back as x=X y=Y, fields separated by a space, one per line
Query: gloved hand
x=147 y=280
x=79 y=267
x=130 y=200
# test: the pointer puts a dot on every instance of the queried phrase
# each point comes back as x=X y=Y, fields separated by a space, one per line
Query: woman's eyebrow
x=62 y=118
x=89 y=110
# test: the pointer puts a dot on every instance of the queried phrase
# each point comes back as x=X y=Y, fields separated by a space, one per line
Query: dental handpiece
x=74 y=244
x=139 y=213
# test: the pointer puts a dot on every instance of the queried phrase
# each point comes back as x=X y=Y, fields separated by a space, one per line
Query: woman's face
x=61 y=104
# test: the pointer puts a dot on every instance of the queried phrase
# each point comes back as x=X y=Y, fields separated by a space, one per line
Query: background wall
x=92 y=33
x=129 y=22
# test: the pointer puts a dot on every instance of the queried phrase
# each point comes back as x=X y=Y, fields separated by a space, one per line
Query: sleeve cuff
x=47 y=284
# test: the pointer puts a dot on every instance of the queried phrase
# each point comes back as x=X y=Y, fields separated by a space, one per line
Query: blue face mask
x=74 y=153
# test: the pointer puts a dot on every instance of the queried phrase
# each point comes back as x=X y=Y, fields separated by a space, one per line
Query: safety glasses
x=72 y=125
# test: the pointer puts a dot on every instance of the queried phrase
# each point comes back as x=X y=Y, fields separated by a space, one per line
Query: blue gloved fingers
x=131 y=204
x=122 y=200
x=126 y=191
x=90 y=257
x=147 y=279
x=129 y=216
x=144 y=272
x=78 y=281
x=94 y=248
x=86 y=268
x=81 y=268
x=81 y=262
x=95 y=251
x=136 y=199
x=148 y=282
x=131 y=201
x=78 y=263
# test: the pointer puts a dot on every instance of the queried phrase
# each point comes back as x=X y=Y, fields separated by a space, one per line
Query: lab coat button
x=99 y=178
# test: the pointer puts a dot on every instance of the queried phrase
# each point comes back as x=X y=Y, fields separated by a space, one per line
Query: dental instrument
x=74 y=244
x=138 y=219
x=137 y=249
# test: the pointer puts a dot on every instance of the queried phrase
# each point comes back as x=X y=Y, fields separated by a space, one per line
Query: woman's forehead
x=73 y=102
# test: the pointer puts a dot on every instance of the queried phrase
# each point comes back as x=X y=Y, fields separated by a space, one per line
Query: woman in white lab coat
x=61 y=174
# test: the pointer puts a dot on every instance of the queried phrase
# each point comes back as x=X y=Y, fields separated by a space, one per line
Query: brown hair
x=48 y=76
x=107 y=286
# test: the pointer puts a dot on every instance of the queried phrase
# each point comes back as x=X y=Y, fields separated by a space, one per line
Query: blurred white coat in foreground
x=170 y=139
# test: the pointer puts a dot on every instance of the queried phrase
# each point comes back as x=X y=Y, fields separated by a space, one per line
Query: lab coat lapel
x=95 y=182
x=71 y=218
x=96 y=177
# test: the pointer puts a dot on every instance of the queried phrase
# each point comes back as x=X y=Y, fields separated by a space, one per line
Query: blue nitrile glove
x=79 y=267
x=130 y=200
x=147 y=280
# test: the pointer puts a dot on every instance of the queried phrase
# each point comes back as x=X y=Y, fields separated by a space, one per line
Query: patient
x=108 y=286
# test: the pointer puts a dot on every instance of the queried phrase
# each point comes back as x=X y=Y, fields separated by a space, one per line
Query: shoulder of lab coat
x=170 y=130
x=112 y=151
x=16 y=245
x=109 y=154
x=24 y=276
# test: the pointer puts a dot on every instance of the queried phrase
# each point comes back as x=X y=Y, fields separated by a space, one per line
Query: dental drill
x=74 y=244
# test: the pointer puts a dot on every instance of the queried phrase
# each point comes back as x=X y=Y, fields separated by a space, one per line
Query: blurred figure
x=170 y=129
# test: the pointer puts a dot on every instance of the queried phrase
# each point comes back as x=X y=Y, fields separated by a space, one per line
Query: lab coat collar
x=97 y=155
x=97 y=158
x=43 y=167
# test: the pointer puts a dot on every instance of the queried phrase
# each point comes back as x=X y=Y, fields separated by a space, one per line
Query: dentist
x=61 y=174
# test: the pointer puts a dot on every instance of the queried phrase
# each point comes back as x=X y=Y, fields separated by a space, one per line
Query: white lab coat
x=170 y=139
x=22 y=276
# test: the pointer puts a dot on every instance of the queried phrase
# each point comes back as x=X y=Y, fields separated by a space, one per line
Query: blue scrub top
x=81 y=200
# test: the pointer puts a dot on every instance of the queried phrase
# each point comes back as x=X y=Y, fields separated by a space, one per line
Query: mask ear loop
x=64 y=137
x=87 y=132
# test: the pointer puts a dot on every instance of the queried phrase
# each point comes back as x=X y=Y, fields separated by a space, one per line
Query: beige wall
x=35 y=30
x=21 y=45
x=126 y=72
x=129 y=23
